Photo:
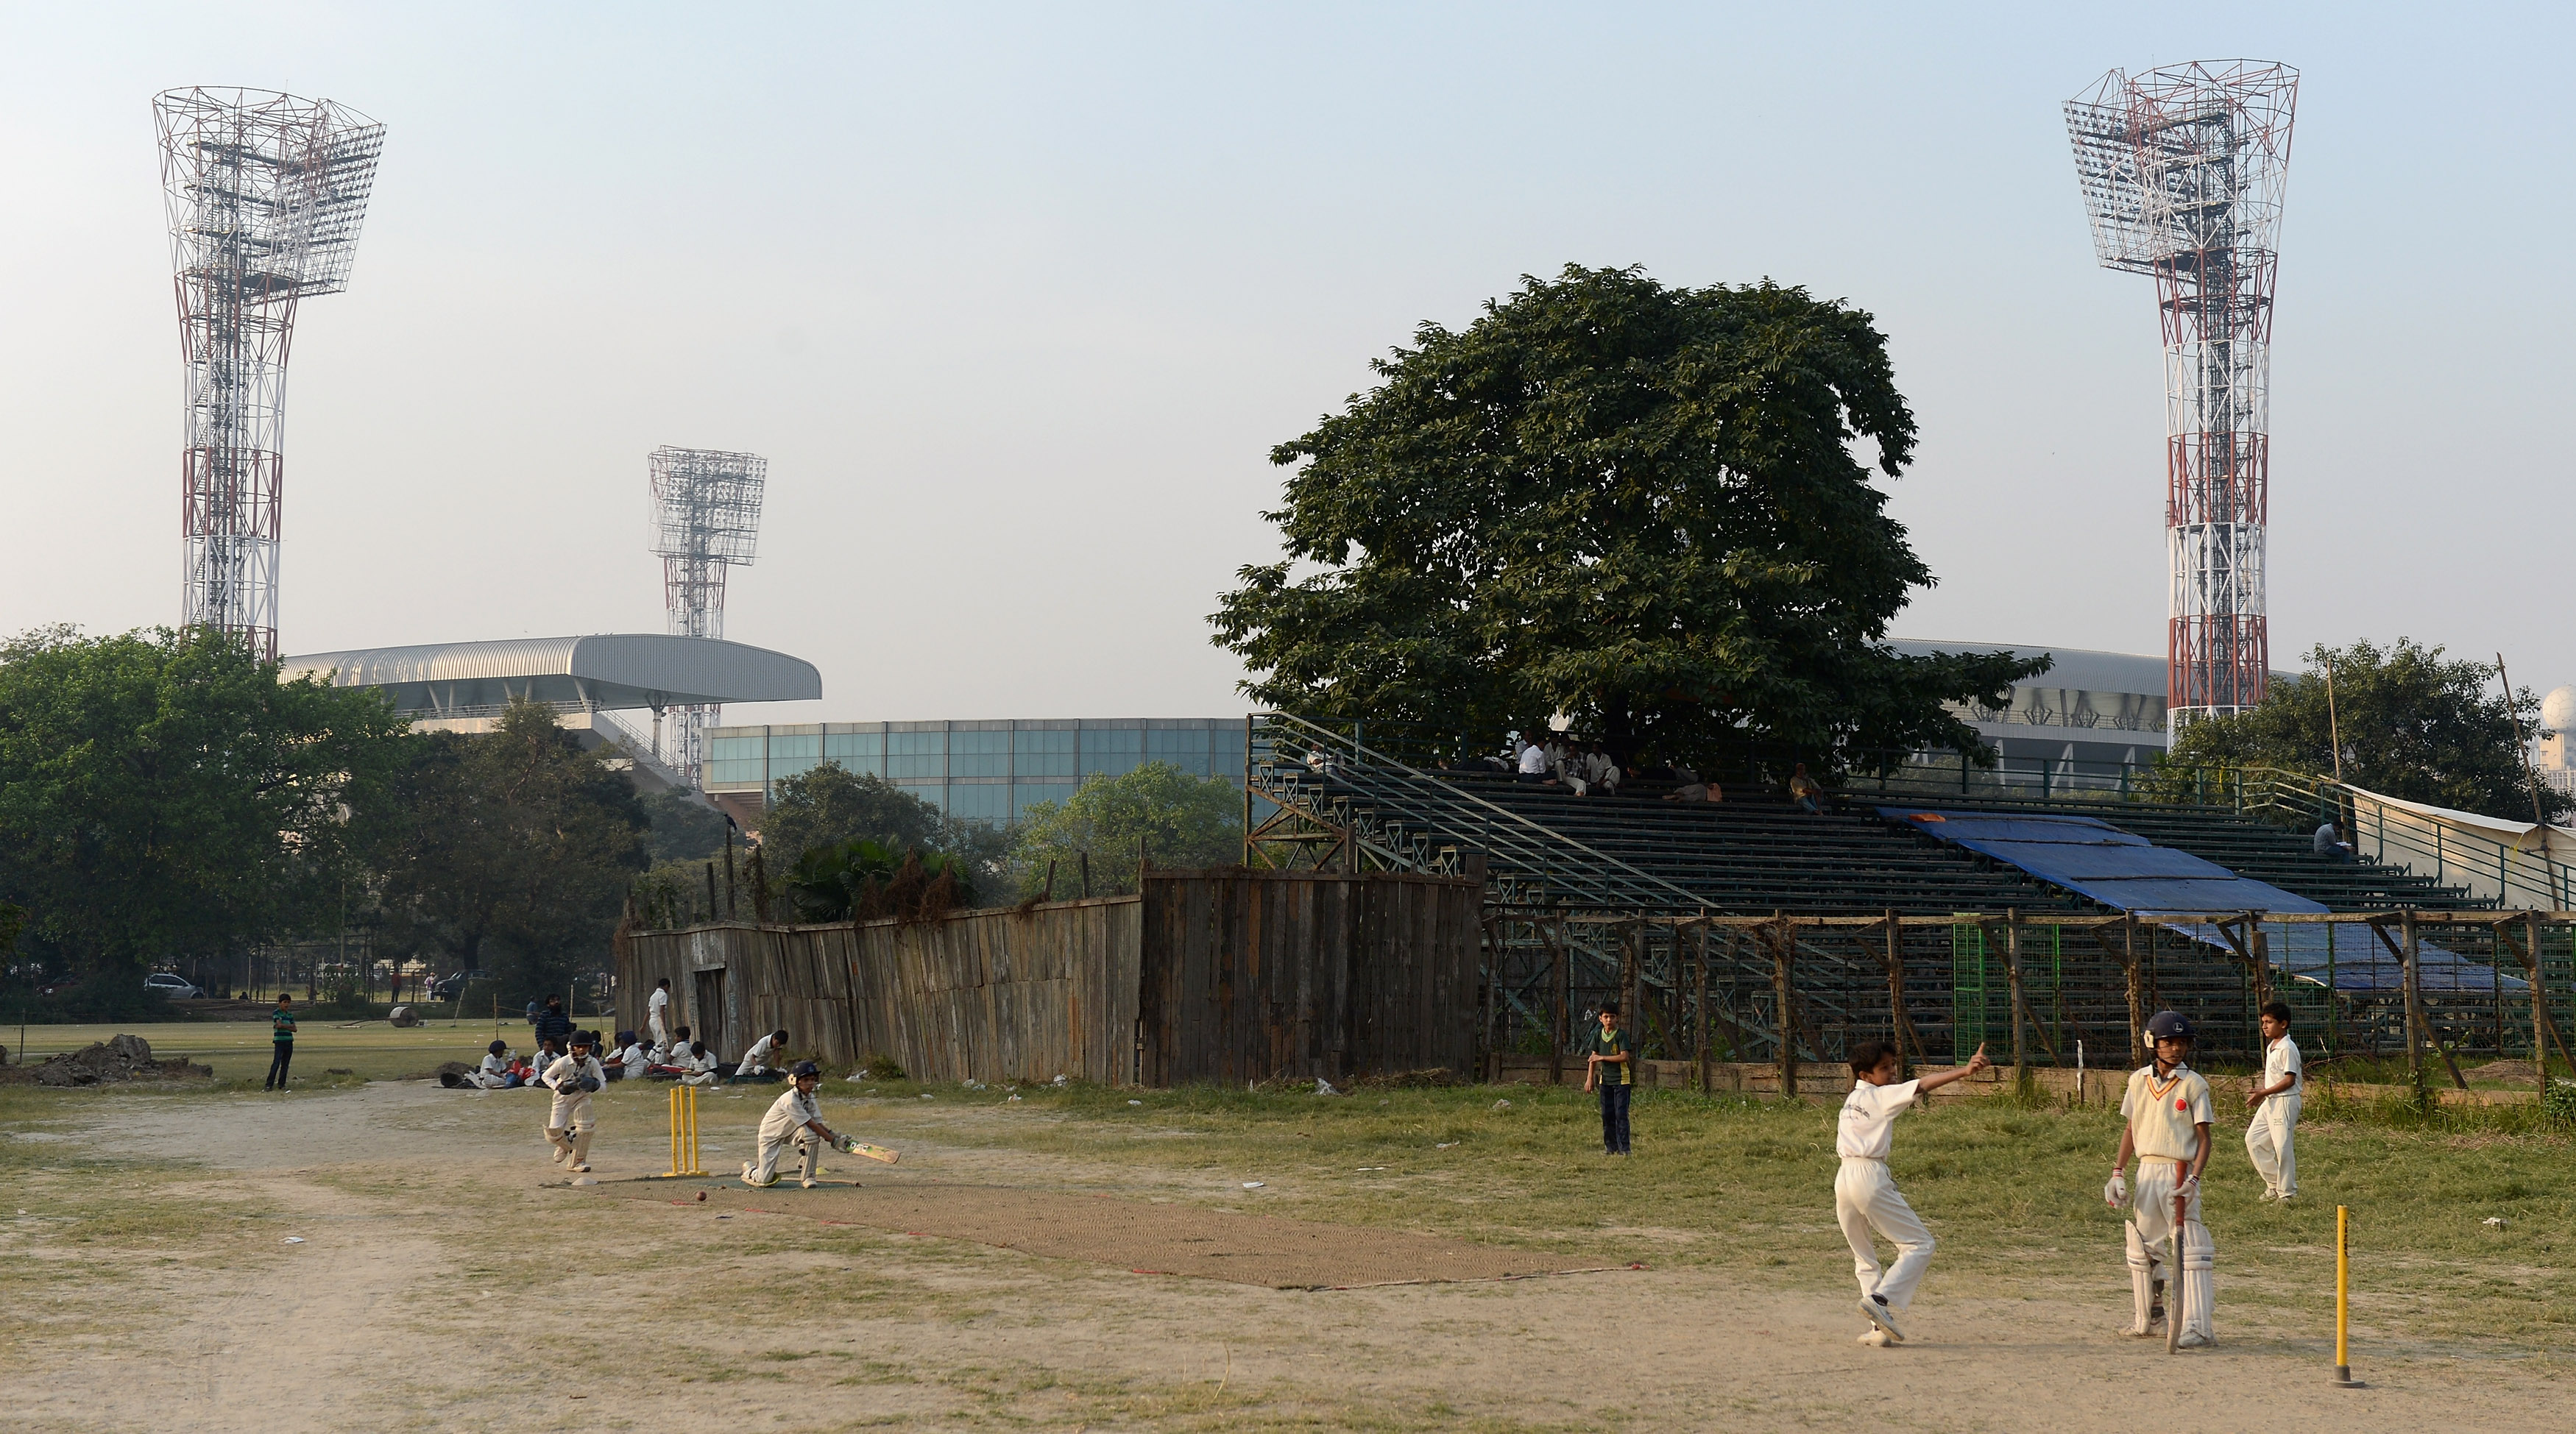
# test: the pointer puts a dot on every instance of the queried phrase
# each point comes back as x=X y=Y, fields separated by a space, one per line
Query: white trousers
x=569 y=1125
x=808 y=1145
x=1866 y=1200
x=2149 y=1225
x=661 y=1037
x=2268 y=1139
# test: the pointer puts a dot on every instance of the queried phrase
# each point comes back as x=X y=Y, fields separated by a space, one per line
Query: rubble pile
x=118 y=1058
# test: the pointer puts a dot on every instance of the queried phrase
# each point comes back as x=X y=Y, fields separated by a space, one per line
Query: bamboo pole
x=1699 y=1011
x=2414 y=1006
x=1564 y=983
x=1897 y=1024
x=1784 y=998
x=2020 y=1011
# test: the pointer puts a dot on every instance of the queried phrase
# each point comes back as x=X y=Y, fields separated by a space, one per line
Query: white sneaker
x=809 y=1184
x=746 y=1172
x=1876 y=1338
x=579 y=1169
x=1881 y=1316
x=560 y=1152
x=2192 y=1339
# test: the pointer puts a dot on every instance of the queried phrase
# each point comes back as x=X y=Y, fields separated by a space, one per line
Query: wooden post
x=2137 y=993
x=2258 y=950
x=1082 y=860
x=1699 y=1010
x=1897 y=1024
x=2539 y=1001
x=2020 y=1012
x=1784 y=999
x=1050 y=886
x=2414 y=1003
x=1563 y=1034
x=1631 y=981
x=1493 y=1062
x=733 y=902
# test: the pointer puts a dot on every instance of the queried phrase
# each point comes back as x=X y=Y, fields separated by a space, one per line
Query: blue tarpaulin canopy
x=2126 y=872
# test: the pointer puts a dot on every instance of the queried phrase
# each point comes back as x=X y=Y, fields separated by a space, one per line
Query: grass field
x=239 y=1050
x=1726 y=1200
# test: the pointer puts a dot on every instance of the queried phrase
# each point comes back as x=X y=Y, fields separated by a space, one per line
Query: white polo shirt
x=1865 y=1130
x=661 y=1000
x=789 y=1114
x=2164 y=1114
x=758 y=1056
x=2281 y=1058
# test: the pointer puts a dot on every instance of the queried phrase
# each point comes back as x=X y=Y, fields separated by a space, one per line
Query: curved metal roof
x=611 y=670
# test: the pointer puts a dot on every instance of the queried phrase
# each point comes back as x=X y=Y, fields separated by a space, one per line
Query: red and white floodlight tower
x=706 y=518
x=2183 y=171
x=265 y=194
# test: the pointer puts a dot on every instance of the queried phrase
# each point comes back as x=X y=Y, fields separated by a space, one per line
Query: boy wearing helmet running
x=796 y=1116
x=2167 y=1107
x=569 y=1123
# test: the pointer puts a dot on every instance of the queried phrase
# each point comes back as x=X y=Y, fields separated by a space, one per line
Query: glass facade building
x=988 y=771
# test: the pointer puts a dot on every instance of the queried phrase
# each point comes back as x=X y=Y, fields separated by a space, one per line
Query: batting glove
x=2115 y=1192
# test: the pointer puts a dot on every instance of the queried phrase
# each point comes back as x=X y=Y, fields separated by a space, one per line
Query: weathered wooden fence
x=1258 y=975
x=987 y=995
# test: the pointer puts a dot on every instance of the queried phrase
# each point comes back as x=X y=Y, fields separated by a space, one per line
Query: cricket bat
x=883 y=1155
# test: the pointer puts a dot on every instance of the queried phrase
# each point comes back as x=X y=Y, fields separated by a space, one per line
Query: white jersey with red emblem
x=2164 y=1111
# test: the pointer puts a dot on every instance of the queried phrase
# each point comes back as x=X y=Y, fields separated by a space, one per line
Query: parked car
x=448 y=988
x=176 y=987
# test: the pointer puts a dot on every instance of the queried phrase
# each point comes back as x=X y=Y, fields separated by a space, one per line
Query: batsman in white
x=795 y=1117
x=657 y=1012
x=2273 y=1123
x=1865 y=1195
x=2168 y=1111
x=569 y=1122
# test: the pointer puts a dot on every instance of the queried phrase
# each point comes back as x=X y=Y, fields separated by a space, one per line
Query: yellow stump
x=2343 y=1299
x=684 y=1131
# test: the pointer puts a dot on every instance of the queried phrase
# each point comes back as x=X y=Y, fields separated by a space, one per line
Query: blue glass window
x=935 y=793
x=915 y=755
x=1185 y=748
x=1024 y=794
x=1111 y=753
x=979 y=754
x=734 y=773
x=1043 y=754
x=857 y=751
x=734 y=749
x=980 y=801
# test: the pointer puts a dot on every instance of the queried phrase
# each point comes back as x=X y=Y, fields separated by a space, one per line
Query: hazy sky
x=1016 y=300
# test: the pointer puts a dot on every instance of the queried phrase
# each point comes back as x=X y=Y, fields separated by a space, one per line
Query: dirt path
x=441 y=1286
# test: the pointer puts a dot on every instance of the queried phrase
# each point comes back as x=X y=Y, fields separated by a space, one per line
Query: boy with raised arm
x=1866 y=1199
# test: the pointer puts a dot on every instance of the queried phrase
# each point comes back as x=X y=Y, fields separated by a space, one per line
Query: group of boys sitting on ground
x=679 y=1058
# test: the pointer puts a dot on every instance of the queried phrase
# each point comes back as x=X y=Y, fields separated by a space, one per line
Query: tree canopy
x=1182 y=821
x=163 y=796
x=828 y=805
x=2414 y=725
x=511 y=852
x=1635 y=505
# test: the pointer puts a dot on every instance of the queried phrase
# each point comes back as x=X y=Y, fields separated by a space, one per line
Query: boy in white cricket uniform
x=2275 y=1103
x=657 y=1012
x=1865 y=1195
x=755 y=1062
x=2168 y=1111
x=698 y=1067
x=797 y=1117
x=569 y=1120
x=494 y=1073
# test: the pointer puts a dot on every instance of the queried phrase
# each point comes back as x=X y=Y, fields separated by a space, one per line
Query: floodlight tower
x=706 y=518
x=2183 y=171
x=265 y=194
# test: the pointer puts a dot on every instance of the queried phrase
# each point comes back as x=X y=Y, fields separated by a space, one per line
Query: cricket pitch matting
x=1125 y=1234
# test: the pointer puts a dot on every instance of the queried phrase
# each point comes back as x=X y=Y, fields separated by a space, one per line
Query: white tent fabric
x=2523 y=863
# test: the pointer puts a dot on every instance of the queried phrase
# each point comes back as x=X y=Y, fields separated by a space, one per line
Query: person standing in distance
x=1865 y=1195
x=281 y=1037
x=2275 y=1104
x=1610 y=1063
x=2167 y=1108
x=657 y=1012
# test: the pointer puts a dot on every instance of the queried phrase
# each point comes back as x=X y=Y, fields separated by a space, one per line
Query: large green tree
x=829 y=805
x=1156 y=812
x=164 y=798
x=511 y=853
x=1635 y=505
x=2413 y=724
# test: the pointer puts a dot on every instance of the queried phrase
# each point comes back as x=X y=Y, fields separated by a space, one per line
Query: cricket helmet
x=808 y=1068
x=2168 y=1025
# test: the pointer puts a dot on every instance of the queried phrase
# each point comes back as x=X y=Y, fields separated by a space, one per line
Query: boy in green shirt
x=281 y=1028
x=1611 y=1065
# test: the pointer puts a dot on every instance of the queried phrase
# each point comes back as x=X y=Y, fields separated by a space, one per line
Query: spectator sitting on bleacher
x=1804 y=791
x=1692 y=789
x=2330 y=845
x=1600 y=774
x=1533 y=763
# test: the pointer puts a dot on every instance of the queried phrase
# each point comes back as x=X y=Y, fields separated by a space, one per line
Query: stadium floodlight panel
x=707 y=503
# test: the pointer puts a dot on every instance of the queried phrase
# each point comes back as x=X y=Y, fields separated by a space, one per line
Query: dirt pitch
x=442 y=1282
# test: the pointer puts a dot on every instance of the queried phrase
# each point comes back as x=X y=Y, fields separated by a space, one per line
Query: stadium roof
x=607 y=670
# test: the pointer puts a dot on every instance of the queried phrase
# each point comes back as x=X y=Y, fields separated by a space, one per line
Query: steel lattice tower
x=266 y=193
x=706 y=519
x=2183 y=171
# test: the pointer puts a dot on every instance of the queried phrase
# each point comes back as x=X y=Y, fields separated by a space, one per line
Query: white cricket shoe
x=580 y=1169
x=2193 y=1339
x=809 y=1184
x=1880 y=1315
x=1876 y=1338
